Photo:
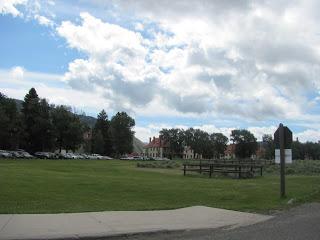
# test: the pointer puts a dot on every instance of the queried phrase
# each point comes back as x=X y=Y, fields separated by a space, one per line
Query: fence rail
x=264 y=162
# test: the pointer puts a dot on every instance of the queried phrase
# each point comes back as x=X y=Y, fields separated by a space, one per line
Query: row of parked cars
x=144 y=158
x=49 y=155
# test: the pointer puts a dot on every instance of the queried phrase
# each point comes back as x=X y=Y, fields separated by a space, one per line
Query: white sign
x=287 y=155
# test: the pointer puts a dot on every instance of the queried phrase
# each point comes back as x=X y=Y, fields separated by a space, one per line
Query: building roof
x=156 y=142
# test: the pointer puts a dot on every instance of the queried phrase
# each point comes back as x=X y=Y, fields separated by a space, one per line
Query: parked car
x=67 y=156
x=96 y=156
x=5 y=154
x=161 y=159
x=24 y=154
x=44 y=155
x=62 y=155
x=126 y=158
x=78 y=156
x=106 y=158
x=85 y=156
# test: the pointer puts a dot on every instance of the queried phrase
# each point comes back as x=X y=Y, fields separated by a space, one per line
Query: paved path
x=299 y=223
x=103 y=224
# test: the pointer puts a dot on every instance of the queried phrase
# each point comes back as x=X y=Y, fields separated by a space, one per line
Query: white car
x=96 y=156
x=5 y=154
x=126 y=158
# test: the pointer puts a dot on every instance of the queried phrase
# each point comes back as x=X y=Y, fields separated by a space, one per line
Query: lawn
x=53 y=186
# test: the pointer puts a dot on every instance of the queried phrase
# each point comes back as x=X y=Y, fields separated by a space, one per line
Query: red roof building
x=156 y=148
x=230 y=151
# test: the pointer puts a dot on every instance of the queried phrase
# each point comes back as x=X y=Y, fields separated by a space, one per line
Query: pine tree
x=31 y=112
x=102 y=127
x=10 y=130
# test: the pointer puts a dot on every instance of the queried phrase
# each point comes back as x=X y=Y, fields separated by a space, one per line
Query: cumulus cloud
x=116 y=61
x=17 y=81
x=44 y=20
x=248 y=60
x=203 y=57
x=308 y=135
x=10 y=7
x=37 y=10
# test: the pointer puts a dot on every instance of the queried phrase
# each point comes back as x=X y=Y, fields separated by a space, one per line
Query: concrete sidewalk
x=103 y=224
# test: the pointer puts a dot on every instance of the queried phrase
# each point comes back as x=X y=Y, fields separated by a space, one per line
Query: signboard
x=287 y=138
x=283 y=153
x=287 y=156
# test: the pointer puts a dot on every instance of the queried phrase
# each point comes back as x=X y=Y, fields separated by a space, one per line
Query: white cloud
x=260 y=131
x=17 y=72
x=10 y=7
x=139 y=26
x=196 y=64
x=249 y=60
x=308 y=135
x=17 y=81
x=44 y=20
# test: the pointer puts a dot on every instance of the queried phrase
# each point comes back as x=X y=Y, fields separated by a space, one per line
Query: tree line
x=39 y=126
x=245 y=144
x=208 y=145
x=307 y=150
x=300 y=151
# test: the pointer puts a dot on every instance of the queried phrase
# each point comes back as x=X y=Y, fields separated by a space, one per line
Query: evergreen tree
x=37 y=124
x=10 y=122
x=31 y=113
x=102 y=127
x=98 y=143
x=46 y=133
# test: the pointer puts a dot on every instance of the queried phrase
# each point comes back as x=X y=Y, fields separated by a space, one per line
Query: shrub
x=160 y=164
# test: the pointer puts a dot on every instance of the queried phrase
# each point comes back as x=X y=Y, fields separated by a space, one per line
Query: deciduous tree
x=122 y=134
x=246 y=143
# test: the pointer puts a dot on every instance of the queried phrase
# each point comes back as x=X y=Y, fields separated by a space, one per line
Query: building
x=156 y=148
x=230 y=152
x=188 y=153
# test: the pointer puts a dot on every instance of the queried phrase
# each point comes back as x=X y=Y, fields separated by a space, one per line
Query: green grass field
x=54 y=186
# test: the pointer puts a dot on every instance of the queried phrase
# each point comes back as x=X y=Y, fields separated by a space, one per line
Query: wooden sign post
x=283 y=141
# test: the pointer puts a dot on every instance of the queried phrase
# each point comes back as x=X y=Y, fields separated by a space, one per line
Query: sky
x=208 y=64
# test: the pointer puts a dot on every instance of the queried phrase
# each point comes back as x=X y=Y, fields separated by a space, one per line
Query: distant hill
x=18 y=103
x=138 y=145
x=90 y=121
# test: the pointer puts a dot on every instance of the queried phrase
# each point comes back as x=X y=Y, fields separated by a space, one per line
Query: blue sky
x=213 y=65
